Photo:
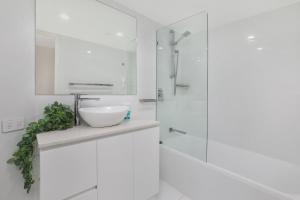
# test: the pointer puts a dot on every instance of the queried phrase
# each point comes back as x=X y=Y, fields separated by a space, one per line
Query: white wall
x=254 y=98
x=17 y=83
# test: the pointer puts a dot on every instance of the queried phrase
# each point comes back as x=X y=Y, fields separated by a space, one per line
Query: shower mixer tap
x=160 y=94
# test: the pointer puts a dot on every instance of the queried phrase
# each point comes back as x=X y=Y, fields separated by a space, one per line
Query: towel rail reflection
x=92 y=84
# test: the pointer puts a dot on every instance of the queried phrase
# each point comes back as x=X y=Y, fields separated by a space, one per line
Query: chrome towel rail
x=176 y=130
x=182 y=85
x=147 y=100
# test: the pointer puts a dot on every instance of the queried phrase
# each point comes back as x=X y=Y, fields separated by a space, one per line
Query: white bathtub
x=230 y=174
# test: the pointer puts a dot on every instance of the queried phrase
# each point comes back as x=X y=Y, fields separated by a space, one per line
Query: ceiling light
x=120 y=34
x=160 y=48
x=88 y=51
x=251 y=37
x=64 y=16
x=259 y=48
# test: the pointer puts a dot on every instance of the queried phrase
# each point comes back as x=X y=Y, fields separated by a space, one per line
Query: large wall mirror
x=84 y=46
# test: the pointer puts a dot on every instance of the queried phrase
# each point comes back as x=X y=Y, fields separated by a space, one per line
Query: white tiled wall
x=254 y=99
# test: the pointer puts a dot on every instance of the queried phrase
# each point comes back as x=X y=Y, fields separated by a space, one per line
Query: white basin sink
x=103 y=116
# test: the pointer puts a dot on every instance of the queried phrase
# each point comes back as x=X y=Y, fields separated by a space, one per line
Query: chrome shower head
x=185 y=34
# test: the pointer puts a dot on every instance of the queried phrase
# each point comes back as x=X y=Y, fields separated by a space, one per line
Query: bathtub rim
x=234 y=176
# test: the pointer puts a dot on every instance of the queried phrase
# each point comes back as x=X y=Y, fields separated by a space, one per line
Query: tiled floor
x=167 y=192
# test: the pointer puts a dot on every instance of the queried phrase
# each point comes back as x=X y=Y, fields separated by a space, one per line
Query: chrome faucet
x=77 y=100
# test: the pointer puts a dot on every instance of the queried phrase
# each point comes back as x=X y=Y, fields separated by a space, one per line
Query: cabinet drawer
x=68 y=170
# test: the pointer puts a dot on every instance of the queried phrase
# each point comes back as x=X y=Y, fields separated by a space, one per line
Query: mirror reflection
x=84 y=46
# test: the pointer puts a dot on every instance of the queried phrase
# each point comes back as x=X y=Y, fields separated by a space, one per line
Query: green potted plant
x=56 y=117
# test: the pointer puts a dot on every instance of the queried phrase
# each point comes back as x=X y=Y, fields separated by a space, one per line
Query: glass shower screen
x=182 y=64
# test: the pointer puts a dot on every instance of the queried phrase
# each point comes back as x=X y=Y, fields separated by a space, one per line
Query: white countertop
x=85 y=133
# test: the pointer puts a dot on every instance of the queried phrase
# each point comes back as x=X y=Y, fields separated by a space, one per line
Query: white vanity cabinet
x=116 y=163
x=87 y=195
x=129 y=166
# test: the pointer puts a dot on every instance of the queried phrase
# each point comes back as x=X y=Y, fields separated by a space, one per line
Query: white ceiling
x=220 y=11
